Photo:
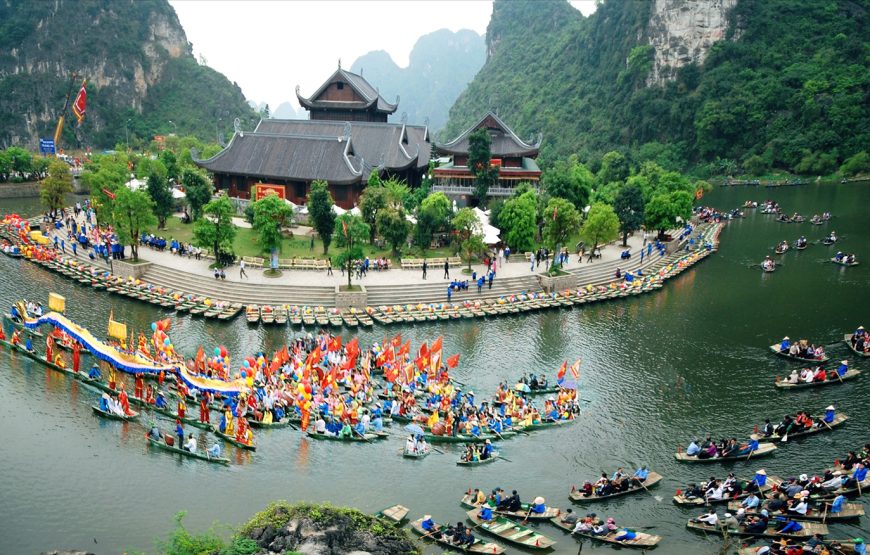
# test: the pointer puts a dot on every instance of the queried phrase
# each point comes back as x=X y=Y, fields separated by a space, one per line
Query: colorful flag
x=335 y=343
x=397 y=341
x=575 y=368
x=435 y=354
x=453 y=361
x=404 y=349
x=424 y=351
x=560 y=375
x=80 y=103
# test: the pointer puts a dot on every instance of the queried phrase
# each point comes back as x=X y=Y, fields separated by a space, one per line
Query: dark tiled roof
x=288 y=157
x=359 y=84
x=504 y=141
x=399 y=146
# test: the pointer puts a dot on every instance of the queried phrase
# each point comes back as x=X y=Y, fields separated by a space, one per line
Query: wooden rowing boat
x=763 y=450
x=415 y=455
x=522 y=514
x=21 y=326
x=839 y=418
x=281 y=316
x=112 y=416
x=652 y=479
x=850 y=374
x=844 y=263
x=186 y=453
x=368 y=438
x=809 y=530
x=682 y=500
x=479 y=545
x=258 y=424
x=479 y=462
x=462 y=438
x=851 y=511
x=848 y=339
x=267 y=315
x=396 y=513
x=641 y=540
x=776 y=350
x=252 y=313
x=831 y=494
x=233 y=441
x=511 y=532
x=836 y=547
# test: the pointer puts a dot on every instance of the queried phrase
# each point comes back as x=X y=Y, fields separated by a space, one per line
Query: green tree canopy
x=132 y=212
x=161 y=193
x=601 y=226
x=215 y=230
x=320 y=212
x=104 y=174
x=350 y=233
x=432 y=216
x=393 y=227
x=479 y=162
x=54 y=188
x=856 y=165
x=614 y=167
x=517 y=220
x=569 y=180
x=271 y=213
x=198 y=189
x=629 y=208
x=666 y=210
x=373 y=200
x=468 y=235
x=170 y=162
x=561 y=219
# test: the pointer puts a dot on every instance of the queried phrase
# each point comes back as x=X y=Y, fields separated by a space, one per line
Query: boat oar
x=367 y=440
x=525 y=520
x=504 y=458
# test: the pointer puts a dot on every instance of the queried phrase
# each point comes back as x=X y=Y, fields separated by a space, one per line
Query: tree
x=601 y=226
x=431 y=217
x=320 y=212
x=351 y=232
x=170 y=162
x=132 y=212
x=198 y=189
x=569 y=180
x=393 y=227
x=480 y=164
x=561 y=219
x=857 y=164
x=104 y=175
x=517 y=220
x=629 y=207
x=614 y=167
x=468 y=235
x=373 y=200
x=215 y=230
x=665 y=210
x=270 y=215
x=160 y=192
x=56 y=186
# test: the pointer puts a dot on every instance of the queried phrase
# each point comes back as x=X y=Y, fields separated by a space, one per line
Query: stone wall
x=557 y=283
x=126 y=269
x=19 y=190
x=351 y=299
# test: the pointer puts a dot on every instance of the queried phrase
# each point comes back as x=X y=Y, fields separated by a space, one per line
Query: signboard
x=46 y=146
x=264 y=189
x=495 y=162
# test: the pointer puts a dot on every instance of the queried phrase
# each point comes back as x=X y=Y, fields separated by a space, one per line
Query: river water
x=657 y=370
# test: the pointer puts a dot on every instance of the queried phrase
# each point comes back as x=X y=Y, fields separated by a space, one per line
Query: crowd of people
x=797 y=423
x=709 y=449
x=618 y=482
x=801 y=349
x=175 y=246
x=817 y=374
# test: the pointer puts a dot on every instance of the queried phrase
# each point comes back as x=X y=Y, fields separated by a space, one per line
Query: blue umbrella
x=523 y=387
x=414 y=429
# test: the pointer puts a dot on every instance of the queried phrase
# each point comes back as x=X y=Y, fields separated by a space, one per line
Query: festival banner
x=80 y=104
x=263 y=189
x=56 y=302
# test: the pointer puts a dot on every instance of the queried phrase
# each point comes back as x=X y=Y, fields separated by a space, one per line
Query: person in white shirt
x=320 y=425
x=410 y=445
x=190 y=444
x=800 y=507
x=710 y=518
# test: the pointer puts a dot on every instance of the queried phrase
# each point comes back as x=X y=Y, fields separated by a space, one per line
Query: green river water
x=657 y=370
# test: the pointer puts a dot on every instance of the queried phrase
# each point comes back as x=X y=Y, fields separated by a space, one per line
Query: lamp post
x=175 y=127
x=127 y=134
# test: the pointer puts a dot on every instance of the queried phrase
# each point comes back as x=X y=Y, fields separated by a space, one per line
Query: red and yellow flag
x=562 y=369
x=80 y=104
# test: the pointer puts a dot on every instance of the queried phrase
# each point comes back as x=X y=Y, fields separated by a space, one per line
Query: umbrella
x=414 y=429
x=523 y=387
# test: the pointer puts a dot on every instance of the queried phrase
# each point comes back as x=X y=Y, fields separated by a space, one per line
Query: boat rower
x=94 y=373
x=154 y=432
x=190 y=446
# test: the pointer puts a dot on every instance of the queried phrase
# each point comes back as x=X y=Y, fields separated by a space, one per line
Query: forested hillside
x=786 y=87
x=140 y=69
x=440 y=66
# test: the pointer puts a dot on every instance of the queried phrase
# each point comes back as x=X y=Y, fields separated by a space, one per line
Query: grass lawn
x=245 y=244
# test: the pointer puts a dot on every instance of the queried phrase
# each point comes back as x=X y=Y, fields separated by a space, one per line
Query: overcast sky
x=270 y=47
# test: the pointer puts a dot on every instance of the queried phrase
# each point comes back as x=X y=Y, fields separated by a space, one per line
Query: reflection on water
x=657 y=370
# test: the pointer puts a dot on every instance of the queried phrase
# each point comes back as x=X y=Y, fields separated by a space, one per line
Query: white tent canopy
x=490 y=233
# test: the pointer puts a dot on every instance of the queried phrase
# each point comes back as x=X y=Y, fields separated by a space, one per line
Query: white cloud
x=270 y=47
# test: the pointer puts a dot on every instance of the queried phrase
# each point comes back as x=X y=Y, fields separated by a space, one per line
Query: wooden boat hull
x=848 y=339
x=843 y=263
x=511 y=532
x=233 y=441
x=523 y=514
x=262 y=425
x=355 y=438
x=652 y=479
x=479 y=545
x=838 y=420
x=480 y=462
x=809 y=530
x=776 y=351
x=850 y=374
x=851 y=511
x=396 y=513
x=642 y=541
x=680 y=500
x=764 y=449
x=113 y=416
x=186 y=453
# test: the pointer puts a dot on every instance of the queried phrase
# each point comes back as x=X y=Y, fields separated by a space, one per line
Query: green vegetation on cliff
x=786 y=88
x=140 y=69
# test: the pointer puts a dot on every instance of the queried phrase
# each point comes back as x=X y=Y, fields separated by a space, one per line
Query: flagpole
x=59 y=128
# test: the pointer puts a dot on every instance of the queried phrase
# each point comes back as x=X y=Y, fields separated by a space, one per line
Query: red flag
x=80 y=103
x=424 y=351
x=352 y=347
x=404 y=349
x=435 y=354
x=422 y=363
x=397 y=341
x=335 y=343
x=453 y=361
x=409 y=374
x=561 y=373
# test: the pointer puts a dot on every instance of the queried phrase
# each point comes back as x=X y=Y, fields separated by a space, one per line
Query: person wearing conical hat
x=784 y=345
x=843 y=368
x=829 y=414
